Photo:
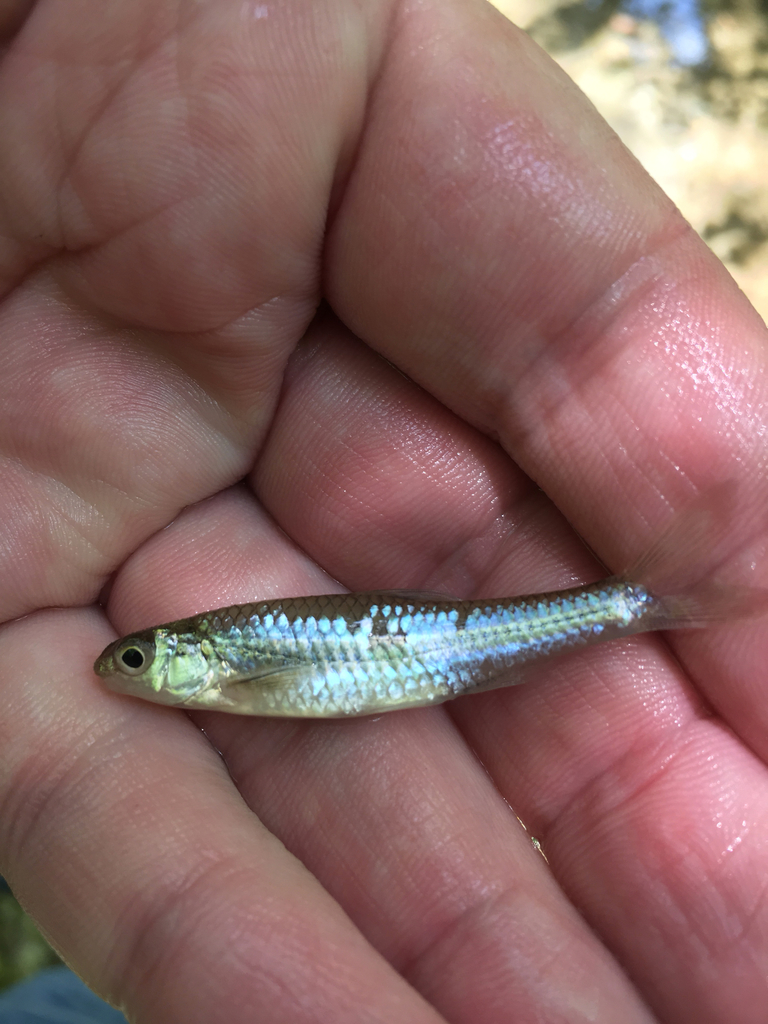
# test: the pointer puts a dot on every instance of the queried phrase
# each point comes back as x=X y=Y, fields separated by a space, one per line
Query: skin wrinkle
x=665 y=751
x=79 y=524
x=709 y=947
x=517 y=158
x=546 y=364
x=33 y=794
x=71 y=160
x=69 y=257
x=71 y=154
x=445 y=898
x=484 y=904
x=599 y=664
x=583 y=804
x=483 y=924
x=150 y=391
x=446 y=861
x=291 y=995
x=152 y=960
x=39 y=776
x=751 y=922
x=31 y=256
x=55 y=549
x=71 y=151
x=317 y=383
x=158 y=209
x=722 y=381
x=102 y=562
x=43 y=473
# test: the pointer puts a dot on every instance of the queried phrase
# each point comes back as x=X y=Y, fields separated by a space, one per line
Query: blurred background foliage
x=685 y=85
x=23 y=950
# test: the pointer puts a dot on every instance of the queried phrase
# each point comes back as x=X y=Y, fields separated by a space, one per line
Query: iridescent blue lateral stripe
x=342 y=655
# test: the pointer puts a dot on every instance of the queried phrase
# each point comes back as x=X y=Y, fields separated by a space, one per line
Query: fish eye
x=134 y=656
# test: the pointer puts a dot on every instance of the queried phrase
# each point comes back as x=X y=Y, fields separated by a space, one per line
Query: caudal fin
x=686 y=567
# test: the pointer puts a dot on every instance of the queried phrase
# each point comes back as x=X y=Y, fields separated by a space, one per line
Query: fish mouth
x=104 y=665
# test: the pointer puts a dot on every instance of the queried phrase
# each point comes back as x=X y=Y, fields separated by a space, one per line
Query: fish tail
x=684 y=569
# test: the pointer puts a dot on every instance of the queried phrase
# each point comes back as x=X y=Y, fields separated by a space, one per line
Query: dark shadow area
x=571 y=26
x=737 y=236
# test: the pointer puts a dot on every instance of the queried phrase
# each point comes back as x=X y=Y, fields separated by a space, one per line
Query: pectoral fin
x=270 y=690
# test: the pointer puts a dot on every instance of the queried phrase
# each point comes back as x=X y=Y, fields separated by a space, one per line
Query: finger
x=124 y=836
x=602 y=759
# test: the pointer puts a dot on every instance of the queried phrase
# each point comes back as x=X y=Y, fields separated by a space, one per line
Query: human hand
x=182 y=184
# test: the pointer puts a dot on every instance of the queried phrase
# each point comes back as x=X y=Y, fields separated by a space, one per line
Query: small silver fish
x=362 y=654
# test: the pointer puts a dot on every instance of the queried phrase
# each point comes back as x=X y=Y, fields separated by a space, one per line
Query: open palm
x=183 y=184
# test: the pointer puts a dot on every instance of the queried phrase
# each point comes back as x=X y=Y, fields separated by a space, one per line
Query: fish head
x=160 y=665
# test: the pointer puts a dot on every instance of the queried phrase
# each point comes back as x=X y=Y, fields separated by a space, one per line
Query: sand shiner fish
x=359 y=654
